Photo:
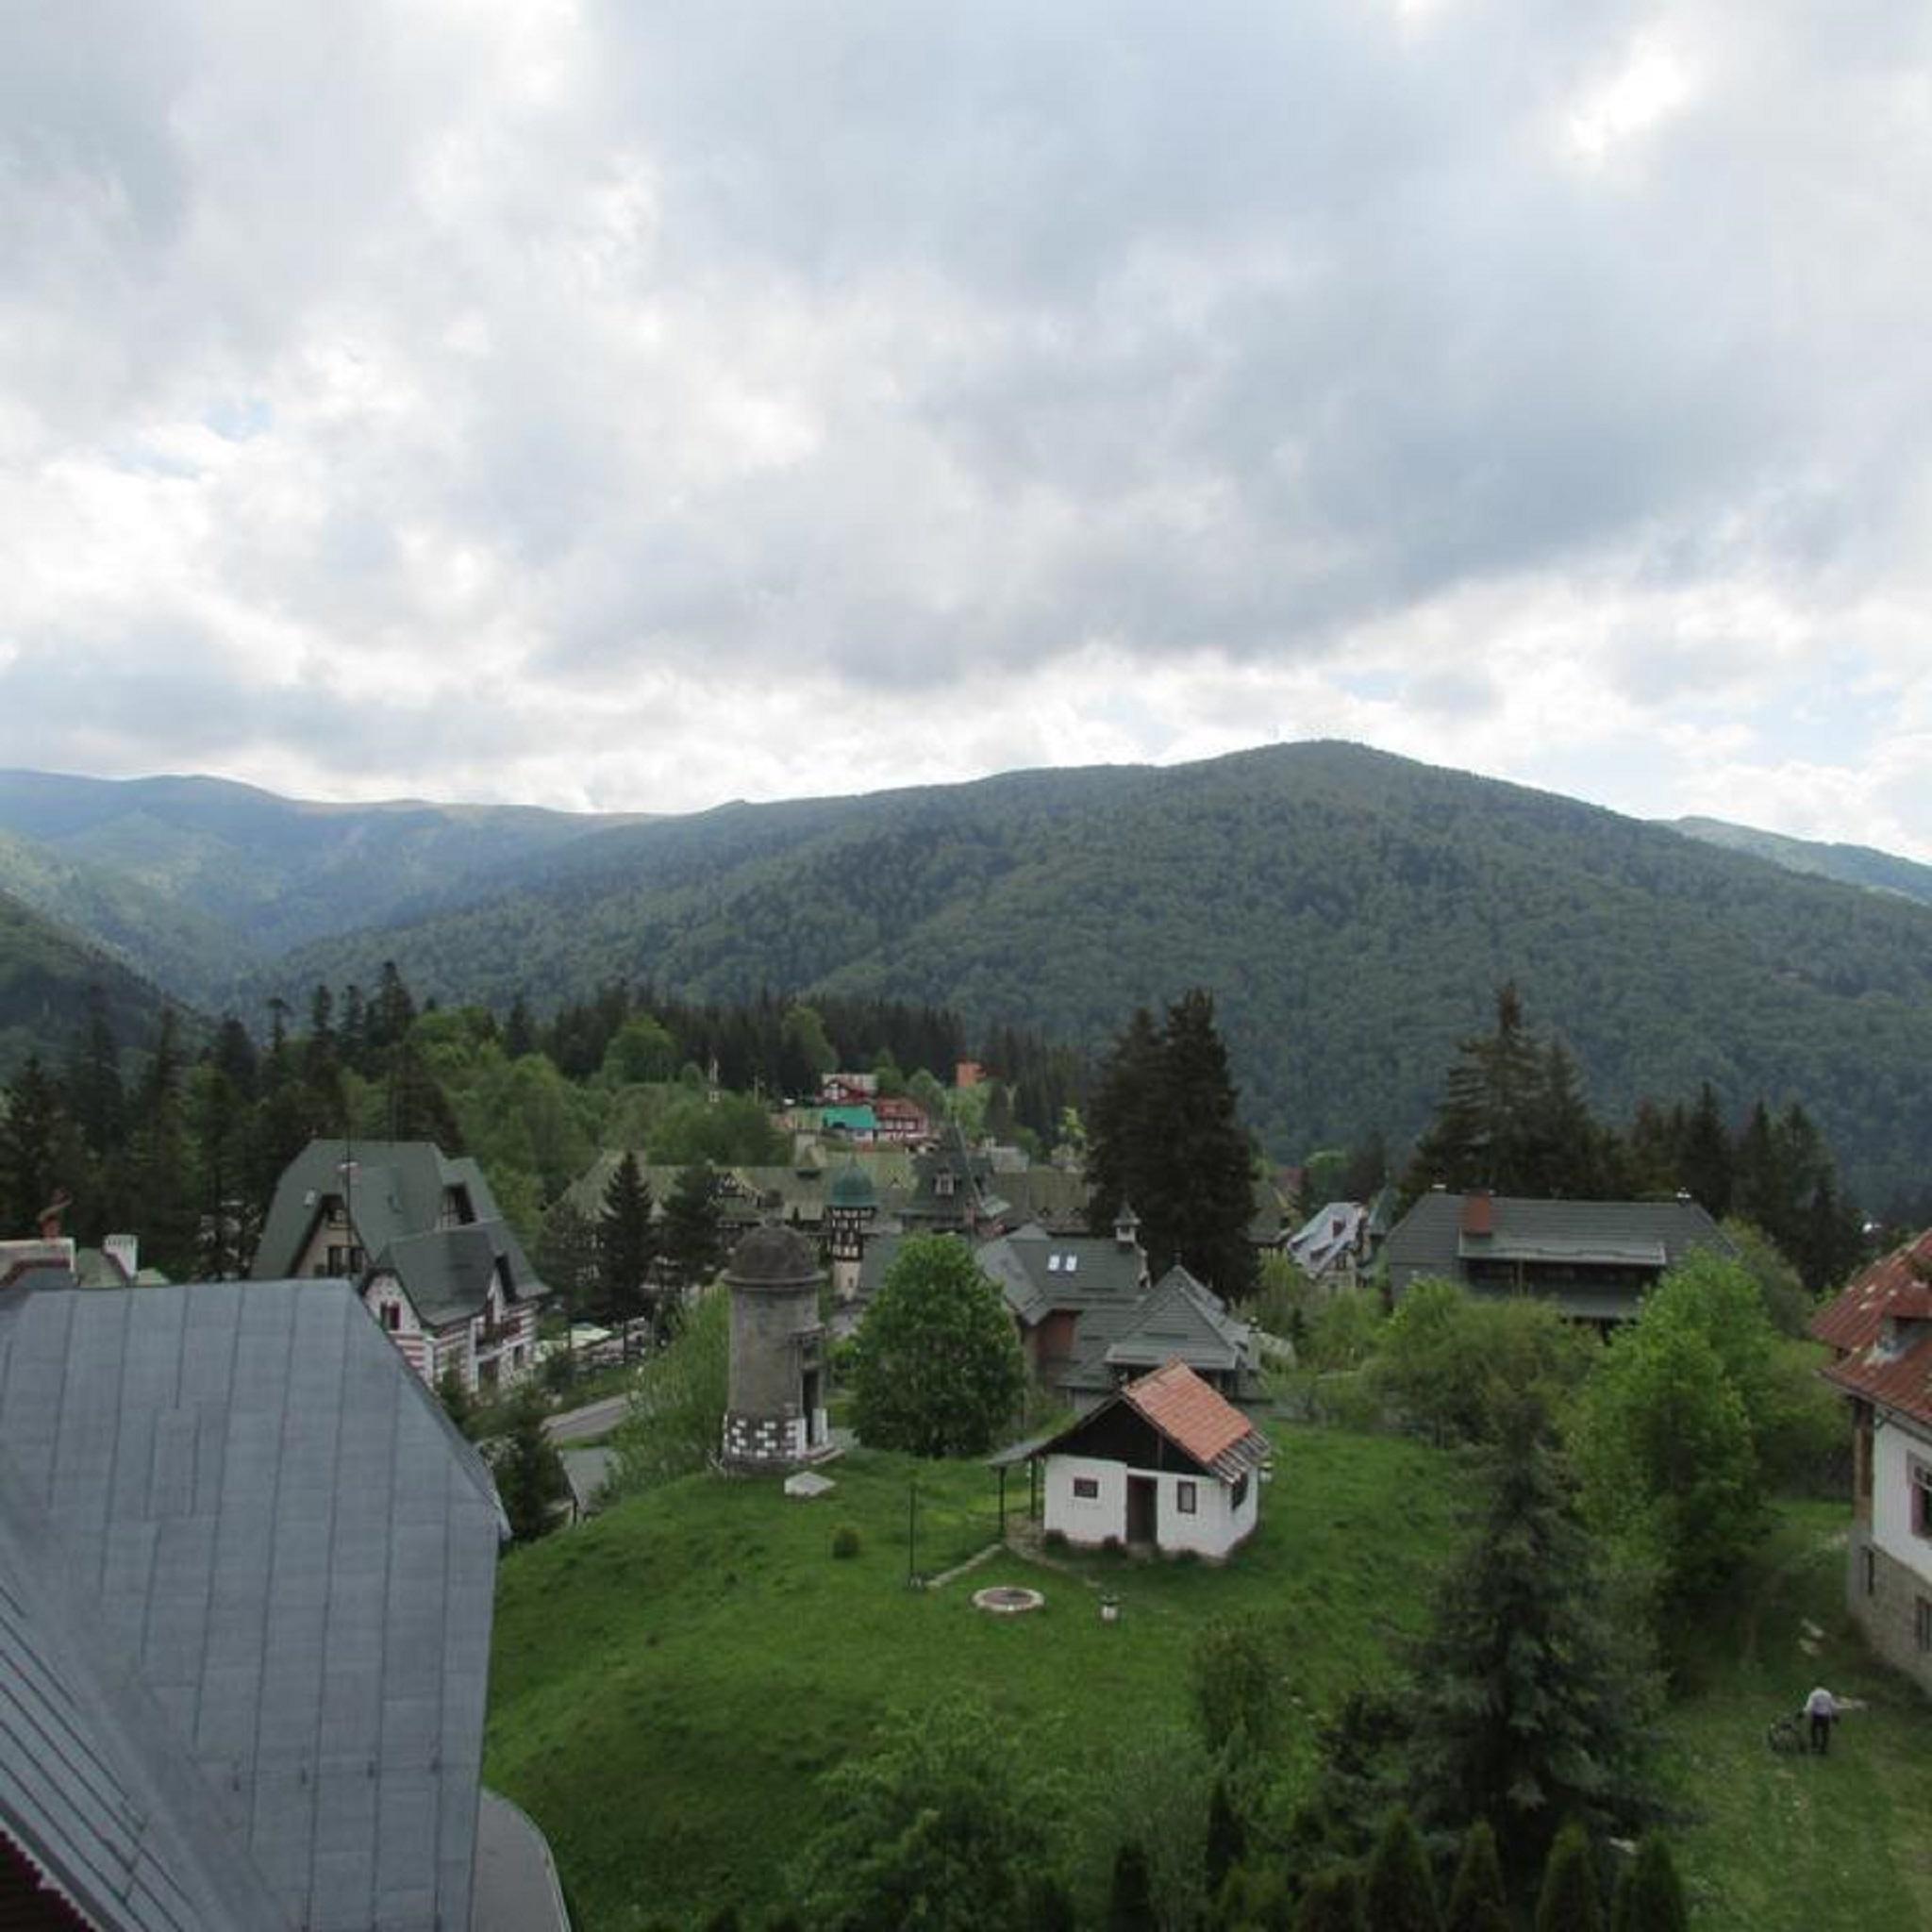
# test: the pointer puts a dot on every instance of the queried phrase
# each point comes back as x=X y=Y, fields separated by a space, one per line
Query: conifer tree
x=1399 y=1894
x=1570 y=1900
x=626 y=1243
x=1332 y=1903
x=1477 y=1902
x=1525 y=1710
x=694 y=1227
x=528 y=1472
x=38 y=1150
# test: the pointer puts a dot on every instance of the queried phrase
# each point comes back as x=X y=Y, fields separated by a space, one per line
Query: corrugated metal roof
x=290 y=1556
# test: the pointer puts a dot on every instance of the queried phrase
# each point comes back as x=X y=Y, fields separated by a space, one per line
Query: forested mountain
x=45 y=978
x=1351 y=912
x=246 y=874
x=1853 y=865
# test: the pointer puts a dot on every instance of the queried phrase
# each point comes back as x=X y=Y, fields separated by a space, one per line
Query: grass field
x=1802 y=1845
x=672 y=1679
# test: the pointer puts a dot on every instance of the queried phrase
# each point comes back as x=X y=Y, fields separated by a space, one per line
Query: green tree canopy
x=937 y=1365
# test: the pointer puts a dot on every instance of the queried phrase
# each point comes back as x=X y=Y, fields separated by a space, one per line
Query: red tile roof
x=1197 y=1419
x=1894 y=1371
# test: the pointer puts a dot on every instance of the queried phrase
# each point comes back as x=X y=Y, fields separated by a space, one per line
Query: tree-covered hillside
x=1852 y=865
x=267 y=872
x=1351 y=912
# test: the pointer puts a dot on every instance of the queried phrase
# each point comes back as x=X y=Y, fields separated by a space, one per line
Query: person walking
x=1821 y=1708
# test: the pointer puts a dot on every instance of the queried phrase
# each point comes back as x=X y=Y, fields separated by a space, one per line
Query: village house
x=1879 y=1331
x=247 y=1579
x=420 y=1235
x=1593 y=1260
x=1165 y=1462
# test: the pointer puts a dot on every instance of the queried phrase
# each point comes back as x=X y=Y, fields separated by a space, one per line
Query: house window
x=392 y=1317
x=1922 y=1622
x=1086 y=1489
x=1186 y=1498
x=1922 y=1498
x=1241 y=1492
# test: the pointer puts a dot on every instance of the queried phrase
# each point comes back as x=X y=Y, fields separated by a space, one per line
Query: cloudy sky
x=607 y=404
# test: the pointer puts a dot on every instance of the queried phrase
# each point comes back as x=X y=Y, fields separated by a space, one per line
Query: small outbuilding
x=775 y=1417
x=1167 y=1463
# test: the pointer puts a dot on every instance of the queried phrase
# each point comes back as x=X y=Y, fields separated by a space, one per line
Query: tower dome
x=773 y=1258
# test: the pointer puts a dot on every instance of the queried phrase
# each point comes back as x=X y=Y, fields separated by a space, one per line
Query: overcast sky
x=603 y=403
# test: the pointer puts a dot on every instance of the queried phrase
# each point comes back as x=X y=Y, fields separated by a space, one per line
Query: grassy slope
x=671 y=1679
x=1792 y=1844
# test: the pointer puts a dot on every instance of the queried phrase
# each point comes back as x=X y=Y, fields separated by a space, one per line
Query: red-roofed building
x=1880 y=1334
x=1168 y=1461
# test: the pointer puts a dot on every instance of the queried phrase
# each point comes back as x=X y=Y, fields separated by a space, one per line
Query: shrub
x=845 y=1540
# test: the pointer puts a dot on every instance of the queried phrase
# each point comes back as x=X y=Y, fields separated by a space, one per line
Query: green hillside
x=1352 y=913
x=45 y=976
x=1852 y=865
x=255 y=872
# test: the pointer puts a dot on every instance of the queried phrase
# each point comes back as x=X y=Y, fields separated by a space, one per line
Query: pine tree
x=1705 y=1163
x=163 y=1185
x=37 y=1148
x=1123 y=1131
x=626 y=1244
x=95 y=1095
x=694 y=1227
x=529 y=1473
x=1525 y=1710
x=1332 y=1903
x=1400 y=1896
x=1570 y=1900
x=1477 y=1902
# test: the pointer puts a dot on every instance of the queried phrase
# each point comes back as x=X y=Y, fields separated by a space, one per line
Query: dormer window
x=943 y=1182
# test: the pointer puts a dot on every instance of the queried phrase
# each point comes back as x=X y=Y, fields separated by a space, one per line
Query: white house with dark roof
x=420 y=1235
x=247 y=1579
x=1165 y=1461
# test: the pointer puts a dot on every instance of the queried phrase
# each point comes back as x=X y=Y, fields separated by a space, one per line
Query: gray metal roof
x=446 y=1274
x=1182 y=1320
x=1430 y=1240
x=1038 y=1272
x=287 y=1555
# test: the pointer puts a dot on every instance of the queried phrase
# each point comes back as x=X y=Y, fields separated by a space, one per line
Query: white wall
x=1894 y=1448
x=1215 y=1527
x=1079 y=1519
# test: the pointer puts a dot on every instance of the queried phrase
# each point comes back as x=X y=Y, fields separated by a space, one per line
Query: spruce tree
x=1400 y=1896
x=694 y=1227
x=1526 y=1709
x=1332 y=1903
x=528 y=1472
x=38 y=1150
x=626 y=1244
x=1477 y=1902
x=1570 y=1900
x=1123 y=1135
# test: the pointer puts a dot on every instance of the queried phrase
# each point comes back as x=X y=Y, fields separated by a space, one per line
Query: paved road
x=586 y=1425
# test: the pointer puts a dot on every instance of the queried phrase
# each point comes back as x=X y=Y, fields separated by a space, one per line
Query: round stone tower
x=776 y=1416
x=851 y=1201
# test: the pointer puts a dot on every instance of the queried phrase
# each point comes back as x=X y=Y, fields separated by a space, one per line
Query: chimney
x=1478 y=1214
x=48 y=1221
x=124 y=1251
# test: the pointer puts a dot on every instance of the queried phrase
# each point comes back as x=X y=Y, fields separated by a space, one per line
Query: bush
x=845 y=1540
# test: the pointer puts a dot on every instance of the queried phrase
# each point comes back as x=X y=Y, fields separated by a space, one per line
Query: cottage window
x=1186 y=1498
x=1086 y=1489
x=1241 y=1492
x=392 y=1317
x=1922 y=1498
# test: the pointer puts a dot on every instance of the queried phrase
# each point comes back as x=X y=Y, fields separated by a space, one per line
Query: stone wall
x=1884 y=1596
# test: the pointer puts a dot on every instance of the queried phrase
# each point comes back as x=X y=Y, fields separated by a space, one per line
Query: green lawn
x=671 y=1679
x=1795 y=1844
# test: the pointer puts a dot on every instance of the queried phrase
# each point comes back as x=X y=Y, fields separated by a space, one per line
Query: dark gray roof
x=1645 y=1235
x=279 y=1558
x=395 y=1191
x=1177 y=1319
x=446 y=1275
x=1038 y=1272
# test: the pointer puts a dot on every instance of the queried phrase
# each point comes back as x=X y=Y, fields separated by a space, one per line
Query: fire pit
x=1006 y=1600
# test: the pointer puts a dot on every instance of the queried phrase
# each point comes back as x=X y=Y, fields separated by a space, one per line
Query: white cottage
x=1168 y=1461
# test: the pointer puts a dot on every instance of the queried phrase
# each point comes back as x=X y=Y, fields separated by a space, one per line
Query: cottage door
x=1143 y=1492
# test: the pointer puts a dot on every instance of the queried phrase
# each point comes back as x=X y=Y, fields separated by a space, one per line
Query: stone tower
x=776 y=1416
x=851 y=1201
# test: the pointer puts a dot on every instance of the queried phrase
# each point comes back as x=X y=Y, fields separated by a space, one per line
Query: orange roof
x=1197 y=1419
x=1893 y=1371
